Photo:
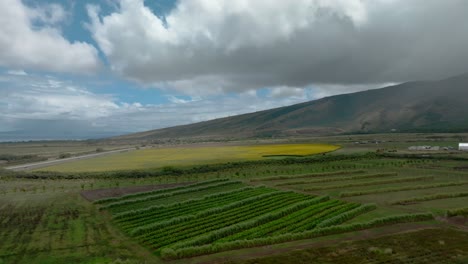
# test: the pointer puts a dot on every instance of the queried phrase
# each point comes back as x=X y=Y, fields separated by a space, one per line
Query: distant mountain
x=422 y=106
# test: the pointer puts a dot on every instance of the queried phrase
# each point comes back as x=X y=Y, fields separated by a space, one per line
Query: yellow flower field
x=179 y=156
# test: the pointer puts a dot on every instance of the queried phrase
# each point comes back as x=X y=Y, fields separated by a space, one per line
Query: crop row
x=288 y=177
x=143 y=211
x=159 y=196
x=404 y=188
x=178 y=198
x=254 y=222
x=458 y=212
x=235 y=213
x=189 y=208
x=343 y=217
x=358 y=184
x=201 y=226
x=190 y=251
x=431 y=197
x=270 y=227
x=159 y=191
x=332 y=179
x=159 y=225
x=191 y=203
x=318 y=218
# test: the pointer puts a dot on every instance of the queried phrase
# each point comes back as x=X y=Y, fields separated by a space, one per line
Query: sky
x=77 y=69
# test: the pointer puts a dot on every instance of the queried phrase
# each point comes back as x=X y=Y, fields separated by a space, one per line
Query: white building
x=463 y=146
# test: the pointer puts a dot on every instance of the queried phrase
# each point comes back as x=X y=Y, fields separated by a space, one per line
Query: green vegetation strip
x=404 y=188
x=458 y=212
x=188 y=208
x=280 y=224
x=144 y=211
x=139 y=194
x=431 y=197
x=162 y=195
x=185 y=218
x=343 y=217
x=171 y=253
x=200 y=226
x=333 y=179
x=230 y=230
x=406 y=179
x=312 y=222
x=299 y=176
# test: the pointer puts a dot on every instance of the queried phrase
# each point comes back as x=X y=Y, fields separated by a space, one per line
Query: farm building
x=463 y=146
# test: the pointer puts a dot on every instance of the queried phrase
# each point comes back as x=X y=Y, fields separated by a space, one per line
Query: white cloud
x=30 y=39
x=49 y=98
x=209 y=47
x=285 y=91
x=50 y=14
x=16 y=72
x=48 y=105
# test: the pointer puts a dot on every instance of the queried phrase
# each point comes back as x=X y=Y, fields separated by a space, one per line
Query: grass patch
x=436 y=196
x=404 y=188
x=186 y=156
x=369 y=183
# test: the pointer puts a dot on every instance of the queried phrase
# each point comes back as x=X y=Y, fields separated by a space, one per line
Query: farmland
x=240 y=211
x=180 y=156
x=181 y=222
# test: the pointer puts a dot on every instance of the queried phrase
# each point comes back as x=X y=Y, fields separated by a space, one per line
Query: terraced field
x=222 y=214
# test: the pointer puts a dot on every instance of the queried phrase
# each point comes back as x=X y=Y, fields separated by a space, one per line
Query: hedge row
x=404 y=188
x=431 y=197
x=333 y=179
x=299 y=176
x=458 y=212
x=170 y=253
x=406 y=179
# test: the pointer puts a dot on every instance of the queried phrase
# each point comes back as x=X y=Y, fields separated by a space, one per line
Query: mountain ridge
x=417 y=106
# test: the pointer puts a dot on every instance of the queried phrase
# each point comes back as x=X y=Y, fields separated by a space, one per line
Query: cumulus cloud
x=44 y=107
x=46 y=98
x=31 y=39
x=225 y=45
x=285 y=91
x=16 y=72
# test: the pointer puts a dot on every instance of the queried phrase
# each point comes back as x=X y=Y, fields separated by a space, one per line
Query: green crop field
x=242 y=211
x=180 y=156
x=222 y=214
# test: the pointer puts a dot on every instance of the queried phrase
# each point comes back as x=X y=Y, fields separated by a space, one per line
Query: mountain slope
x=413 y=106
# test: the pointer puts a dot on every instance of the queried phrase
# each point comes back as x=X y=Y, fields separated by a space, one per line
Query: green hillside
x=429 y=106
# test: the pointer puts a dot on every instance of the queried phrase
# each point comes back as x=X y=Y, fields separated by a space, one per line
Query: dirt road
x=42 y=164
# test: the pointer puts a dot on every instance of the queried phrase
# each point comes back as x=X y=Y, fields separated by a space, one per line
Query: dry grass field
x=180 y=156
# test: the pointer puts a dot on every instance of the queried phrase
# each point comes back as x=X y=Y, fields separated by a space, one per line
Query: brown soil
x=458 y=221
x=262 y=251
x=93 y=195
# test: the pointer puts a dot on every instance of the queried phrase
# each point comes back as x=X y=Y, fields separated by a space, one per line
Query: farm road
x=42 y=164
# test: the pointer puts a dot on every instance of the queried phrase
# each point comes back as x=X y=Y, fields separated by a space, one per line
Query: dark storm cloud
x=236 y=45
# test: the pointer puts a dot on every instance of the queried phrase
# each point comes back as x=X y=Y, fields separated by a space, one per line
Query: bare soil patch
x=320 y=242
x=93 y=195
x=458 y=221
